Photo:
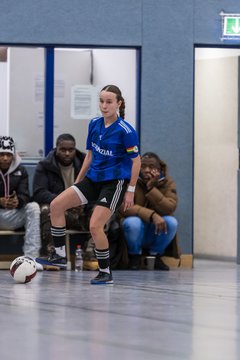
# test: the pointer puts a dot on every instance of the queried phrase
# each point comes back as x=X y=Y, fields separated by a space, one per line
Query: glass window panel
x=79 y=75
x=26 y=100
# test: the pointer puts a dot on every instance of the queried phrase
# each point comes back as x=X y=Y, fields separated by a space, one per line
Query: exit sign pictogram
x=231 y=26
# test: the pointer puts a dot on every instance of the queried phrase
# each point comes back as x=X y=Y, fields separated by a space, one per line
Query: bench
x=5 y=264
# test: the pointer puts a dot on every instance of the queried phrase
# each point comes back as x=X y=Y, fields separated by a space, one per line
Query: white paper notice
x=84 y=102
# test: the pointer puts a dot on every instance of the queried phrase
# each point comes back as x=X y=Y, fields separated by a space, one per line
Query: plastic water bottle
x=78 y=259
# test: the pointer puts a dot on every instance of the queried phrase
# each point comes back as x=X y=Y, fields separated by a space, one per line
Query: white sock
x=61 y=251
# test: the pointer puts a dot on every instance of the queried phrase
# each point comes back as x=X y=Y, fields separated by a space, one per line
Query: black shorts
x=105 y=193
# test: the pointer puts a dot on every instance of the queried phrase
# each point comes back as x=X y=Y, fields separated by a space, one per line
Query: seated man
x=149 y=224
x=16 y=210
x=53 y=175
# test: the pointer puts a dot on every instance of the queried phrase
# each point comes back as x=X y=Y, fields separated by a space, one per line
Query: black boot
x=134 y=262
x=159 y=264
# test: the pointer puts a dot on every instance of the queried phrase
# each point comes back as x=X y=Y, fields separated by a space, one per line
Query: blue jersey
x=112 y=149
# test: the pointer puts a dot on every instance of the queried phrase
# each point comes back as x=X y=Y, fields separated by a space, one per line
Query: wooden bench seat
x=5 y=264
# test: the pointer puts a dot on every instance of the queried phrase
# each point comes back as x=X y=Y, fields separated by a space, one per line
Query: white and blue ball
x=23 y=269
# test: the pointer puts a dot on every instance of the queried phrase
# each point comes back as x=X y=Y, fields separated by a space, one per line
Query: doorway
x=216 y=153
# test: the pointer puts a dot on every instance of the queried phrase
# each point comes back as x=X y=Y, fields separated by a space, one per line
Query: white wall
x=72 y=67
x=3 y=99
x=26 y=106
x=216 y=155
x=118 y=68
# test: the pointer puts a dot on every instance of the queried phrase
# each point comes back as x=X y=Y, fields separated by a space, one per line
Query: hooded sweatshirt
x=15 y=179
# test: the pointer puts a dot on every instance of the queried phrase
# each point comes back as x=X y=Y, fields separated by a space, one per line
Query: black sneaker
x=134 y=262
x=160 y=265
x=53 y=260
x=102 y=278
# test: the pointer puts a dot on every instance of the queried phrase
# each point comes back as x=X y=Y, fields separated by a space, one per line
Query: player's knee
x=95 y=229
x=53 y=207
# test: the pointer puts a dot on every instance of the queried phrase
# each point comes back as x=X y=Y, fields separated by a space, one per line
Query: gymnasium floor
x=181 y=314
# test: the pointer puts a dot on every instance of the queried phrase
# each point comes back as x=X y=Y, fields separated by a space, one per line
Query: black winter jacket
x=18 y=182
x=48 y=181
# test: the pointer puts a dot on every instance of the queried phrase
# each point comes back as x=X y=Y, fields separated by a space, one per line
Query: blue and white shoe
x=53 y=260
x=102 y=278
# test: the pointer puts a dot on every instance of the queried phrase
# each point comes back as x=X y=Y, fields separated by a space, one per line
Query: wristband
x=151 y=217
x=131 y=188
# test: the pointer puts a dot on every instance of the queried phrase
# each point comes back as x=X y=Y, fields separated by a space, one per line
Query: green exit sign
x=231 y=26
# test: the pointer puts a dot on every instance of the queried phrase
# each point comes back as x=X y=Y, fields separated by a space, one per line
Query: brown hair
x=114 y=89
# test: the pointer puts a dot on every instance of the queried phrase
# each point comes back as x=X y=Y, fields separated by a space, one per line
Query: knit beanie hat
x=7 y=145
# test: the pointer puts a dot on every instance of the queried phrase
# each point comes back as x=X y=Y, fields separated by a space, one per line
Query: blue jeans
x=140 y=235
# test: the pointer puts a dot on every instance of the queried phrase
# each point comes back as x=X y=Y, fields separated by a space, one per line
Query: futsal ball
x=23 y=269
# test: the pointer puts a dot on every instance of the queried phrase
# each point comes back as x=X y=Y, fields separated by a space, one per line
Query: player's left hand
x=128 y=200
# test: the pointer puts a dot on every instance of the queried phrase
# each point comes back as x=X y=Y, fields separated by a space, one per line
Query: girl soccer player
x=107 y=178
